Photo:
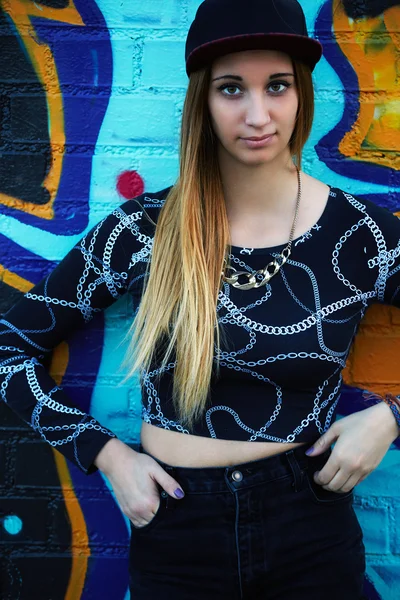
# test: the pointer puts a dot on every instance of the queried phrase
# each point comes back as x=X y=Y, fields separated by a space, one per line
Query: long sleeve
x=92 y=276
x=392 y=268
x=385 y=228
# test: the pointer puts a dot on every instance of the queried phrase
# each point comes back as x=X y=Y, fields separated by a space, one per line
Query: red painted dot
x=130 y=184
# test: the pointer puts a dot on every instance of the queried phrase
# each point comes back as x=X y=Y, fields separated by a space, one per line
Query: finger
x=328 y=472
x=138 y=523
x=337 y=482
x=168 y=483
x=324 y=442
x=351 y=483
x=142 y=511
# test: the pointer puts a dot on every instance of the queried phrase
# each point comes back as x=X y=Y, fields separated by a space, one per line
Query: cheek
x=223 y=121
x=285 y=109
x=286 y=120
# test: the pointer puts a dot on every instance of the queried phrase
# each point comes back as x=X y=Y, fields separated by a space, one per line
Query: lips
x=258 y=139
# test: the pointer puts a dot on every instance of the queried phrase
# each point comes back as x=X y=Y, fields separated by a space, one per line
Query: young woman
x=251 y=279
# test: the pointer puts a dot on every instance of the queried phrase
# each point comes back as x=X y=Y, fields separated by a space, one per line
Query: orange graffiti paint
x=80 y=549
x=372 y=47
x=42 y=59
x=15 y=281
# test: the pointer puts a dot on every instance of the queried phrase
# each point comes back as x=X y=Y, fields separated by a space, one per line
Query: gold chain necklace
x=273 y=267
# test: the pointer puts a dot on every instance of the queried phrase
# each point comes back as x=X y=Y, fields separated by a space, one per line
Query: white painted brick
x=158 y=172
x=132 y=120
x=139 y=13
x=123 y=59
x=164 y=64
x=374 y=521
x=193 y=5
x=396 y=530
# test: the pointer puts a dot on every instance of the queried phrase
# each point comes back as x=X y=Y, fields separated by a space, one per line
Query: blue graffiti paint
x=82 y=60
x=12 y=524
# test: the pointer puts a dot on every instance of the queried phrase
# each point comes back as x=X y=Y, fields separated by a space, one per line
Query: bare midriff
x=184 y=450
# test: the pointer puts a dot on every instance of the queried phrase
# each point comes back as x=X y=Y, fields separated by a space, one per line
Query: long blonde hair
x=177 y=312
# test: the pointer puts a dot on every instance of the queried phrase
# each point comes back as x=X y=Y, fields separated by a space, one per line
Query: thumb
x=168 y=483
x=324 y=442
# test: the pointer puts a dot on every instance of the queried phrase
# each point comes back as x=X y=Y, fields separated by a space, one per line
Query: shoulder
x=351 y=208
x=365 y=206
x=147 y=206
x=130 y=225
x=147 y=202
x=379 y=220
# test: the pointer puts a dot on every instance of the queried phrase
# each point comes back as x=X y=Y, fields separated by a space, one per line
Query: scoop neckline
x=269 y=249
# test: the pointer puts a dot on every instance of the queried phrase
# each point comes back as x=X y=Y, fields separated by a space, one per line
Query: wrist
x=106 y=457
x=394 y=418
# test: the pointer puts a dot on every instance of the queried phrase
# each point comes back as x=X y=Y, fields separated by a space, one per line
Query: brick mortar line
x=26 y=89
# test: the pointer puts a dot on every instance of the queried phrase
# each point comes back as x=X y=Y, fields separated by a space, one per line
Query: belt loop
x=170 y=502
x=296 y=471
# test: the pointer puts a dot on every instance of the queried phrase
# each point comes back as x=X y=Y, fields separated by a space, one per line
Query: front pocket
x=322 y=496
x=157 y=517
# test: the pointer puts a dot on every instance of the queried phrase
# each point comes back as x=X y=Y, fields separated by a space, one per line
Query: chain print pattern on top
x=317 y=316
x=55 y=420
x=287 y=342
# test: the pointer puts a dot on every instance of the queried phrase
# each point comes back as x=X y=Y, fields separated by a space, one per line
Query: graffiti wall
x=91 y=93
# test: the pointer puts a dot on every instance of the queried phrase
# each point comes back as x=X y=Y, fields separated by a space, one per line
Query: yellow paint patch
x=371 y=46
x=15 y=281
x=21 y=8
x=59 y=362
x=373 y=362
x=43 y=211
x=80 y=542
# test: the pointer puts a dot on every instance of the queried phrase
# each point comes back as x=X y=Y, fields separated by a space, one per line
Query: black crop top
x=287 y=342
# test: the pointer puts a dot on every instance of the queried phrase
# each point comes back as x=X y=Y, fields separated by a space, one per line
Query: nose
x=257 y=111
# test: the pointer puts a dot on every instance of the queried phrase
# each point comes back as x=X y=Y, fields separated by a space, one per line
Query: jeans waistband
x=242 y=475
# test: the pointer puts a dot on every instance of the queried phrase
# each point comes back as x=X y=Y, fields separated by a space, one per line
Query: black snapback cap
x=224 y=26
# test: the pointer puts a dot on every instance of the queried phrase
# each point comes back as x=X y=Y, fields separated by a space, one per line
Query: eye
x=277 y=88
x=279 y=84
x=228 y=86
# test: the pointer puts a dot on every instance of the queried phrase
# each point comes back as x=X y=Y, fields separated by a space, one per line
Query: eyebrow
x=238 y=78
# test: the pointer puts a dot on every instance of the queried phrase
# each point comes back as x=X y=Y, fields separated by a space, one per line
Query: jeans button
x=237 y=476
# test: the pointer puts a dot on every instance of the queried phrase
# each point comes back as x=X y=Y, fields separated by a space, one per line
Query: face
x=253 y=94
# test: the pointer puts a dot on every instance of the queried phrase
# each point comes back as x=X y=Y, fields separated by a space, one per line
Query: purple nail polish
x=310 y=451
x=179 y=493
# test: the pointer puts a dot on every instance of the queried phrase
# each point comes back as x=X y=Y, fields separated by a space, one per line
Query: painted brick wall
x=91 y=94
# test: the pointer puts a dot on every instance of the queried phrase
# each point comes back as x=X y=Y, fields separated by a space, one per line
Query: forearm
x=33 y=395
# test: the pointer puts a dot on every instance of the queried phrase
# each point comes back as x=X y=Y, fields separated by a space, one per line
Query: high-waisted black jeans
x=257 y=530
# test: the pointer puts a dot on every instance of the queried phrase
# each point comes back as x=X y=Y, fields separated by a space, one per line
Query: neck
x=258 y=190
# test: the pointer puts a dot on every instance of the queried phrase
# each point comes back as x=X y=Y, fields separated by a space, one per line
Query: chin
x=252 y=158
x=257 y=158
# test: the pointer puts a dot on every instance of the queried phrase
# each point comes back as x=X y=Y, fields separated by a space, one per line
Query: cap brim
x=305 y=49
